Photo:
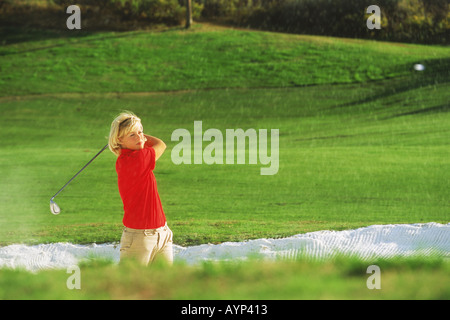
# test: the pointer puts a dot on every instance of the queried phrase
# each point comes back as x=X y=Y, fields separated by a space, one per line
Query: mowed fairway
x=364 y=139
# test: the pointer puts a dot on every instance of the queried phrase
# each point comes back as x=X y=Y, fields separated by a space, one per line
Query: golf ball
x=419 y=67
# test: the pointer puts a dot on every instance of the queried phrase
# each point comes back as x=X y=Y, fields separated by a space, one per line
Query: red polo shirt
x=138 y=190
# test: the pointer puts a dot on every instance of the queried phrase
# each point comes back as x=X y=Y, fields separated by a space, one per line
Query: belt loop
x=150 y=232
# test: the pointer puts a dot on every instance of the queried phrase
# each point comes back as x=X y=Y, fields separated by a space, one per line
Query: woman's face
x=133 y=140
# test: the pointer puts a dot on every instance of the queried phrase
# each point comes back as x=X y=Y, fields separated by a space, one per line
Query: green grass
x=177 y=60
x=343 y=278
x=364 y=139
x=351 y=155
x=338 y=170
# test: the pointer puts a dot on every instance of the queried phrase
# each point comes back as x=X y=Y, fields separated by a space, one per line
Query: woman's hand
x=156 y=144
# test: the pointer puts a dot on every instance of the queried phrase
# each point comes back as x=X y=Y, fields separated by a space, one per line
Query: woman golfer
x=146 y=234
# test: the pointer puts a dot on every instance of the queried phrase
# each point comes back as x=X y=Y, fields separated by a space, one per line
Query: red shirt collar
x=126 y=151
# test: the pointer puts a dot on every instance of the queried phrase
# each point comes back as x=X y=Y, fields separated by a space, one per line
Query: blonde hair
x=121 y=126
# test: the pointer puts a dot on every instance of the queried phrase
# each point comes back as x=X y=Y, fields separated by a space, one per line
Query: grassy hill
x=207 y=57
x=364 y=139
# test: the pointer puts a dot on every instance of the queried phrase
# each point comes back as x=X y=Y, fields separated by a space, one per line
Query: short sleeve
x=132 y=163
x=149 y=157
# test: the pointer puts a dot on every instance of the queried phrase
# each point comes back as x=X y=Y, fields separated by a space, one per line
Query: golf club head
x=54 y=208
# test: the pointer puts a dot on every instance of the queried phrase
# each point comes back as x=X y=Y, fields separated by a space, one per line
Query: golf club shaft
x=79 y=172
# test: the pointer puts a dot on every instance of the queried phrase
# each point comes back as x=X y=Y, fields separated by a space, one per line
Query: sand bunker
x=366 y=243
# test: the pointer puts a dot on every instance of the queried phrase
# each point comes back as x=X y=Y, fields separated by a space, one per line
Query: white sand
x=369 y=242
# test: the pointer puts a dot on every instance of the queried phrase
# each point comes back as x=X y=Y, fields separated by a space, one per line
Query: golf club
x=54 y=208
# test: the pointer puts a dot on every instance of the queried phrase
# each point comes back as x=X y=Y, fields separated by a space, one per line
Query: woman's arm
x=156 y=144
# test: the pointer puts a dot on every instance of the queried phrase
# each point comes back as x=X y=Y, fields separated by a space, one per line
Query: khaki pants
x=144 y=245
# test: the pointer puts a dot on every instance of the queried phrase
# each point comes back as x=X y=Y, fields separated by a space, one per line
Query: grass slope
x=344 y=278
x=203 y=58
x=353 y=151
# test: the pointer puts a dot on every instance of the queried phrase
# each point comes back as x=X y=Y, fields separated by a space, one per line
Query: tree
x=188 y=13
x=438 y=9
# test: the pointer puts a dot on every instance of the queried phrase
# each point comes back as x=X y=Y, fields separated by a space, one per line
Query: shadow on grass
x=436 y=72
x=11 y=35
x=436 y=109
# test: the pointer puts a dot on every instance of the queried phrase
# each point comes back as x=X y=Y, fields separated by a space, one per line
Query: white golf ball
x=419 y=67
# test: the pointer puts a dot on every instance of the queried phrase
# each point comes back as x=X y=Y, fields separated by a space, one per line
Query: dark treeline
x=421 y=21
x=417 y=21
